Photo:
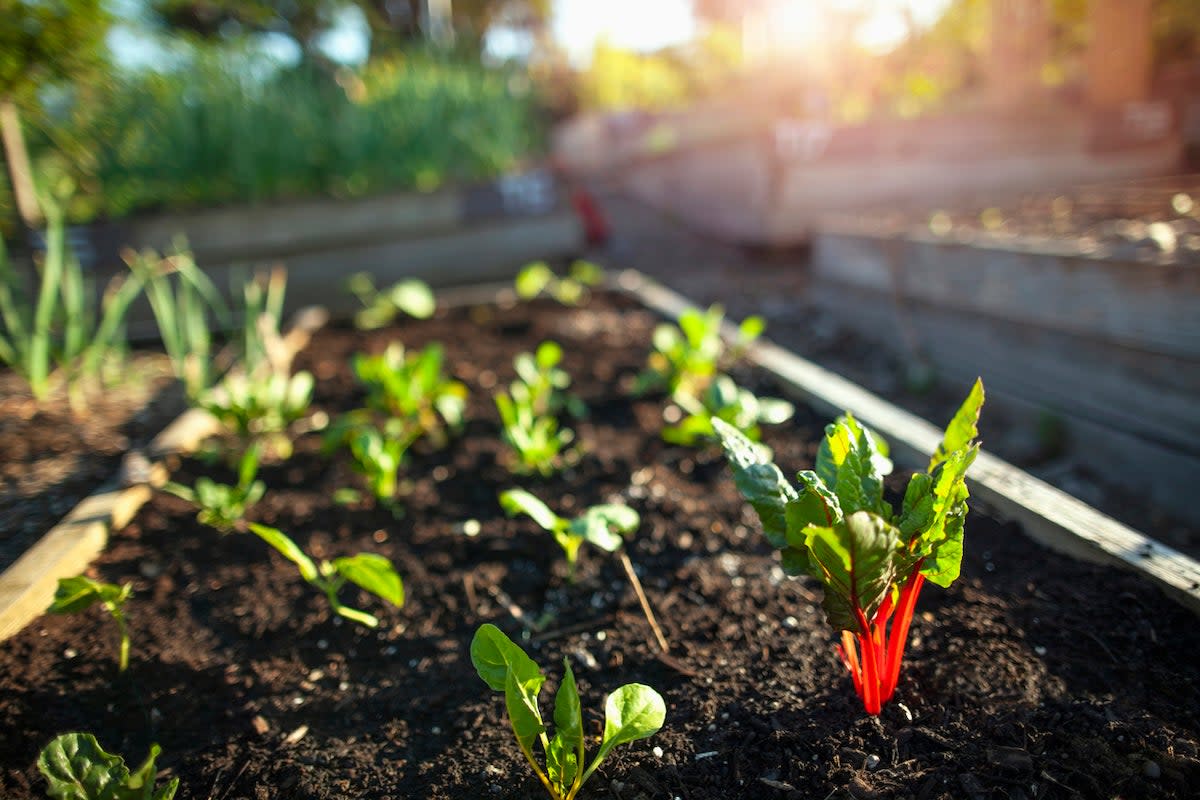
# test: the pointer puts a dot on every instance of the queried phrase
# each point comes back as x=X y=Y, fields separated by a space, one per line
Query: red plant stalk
x=877 y=672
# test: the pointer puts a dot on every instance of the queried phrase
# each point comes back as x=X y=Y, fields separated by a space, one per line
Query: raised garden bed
x=1034 y=676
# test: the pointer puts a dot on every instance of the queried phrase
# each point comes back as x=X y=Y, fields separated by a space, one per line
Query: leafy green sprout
x=259 y=405
x=632 y=712
x=603 y=526
x=412 y=297
x=725 y=400
x=369 y=571
x=686 y=358
x=537 y=441
x=378 y=458
x=80 y=593
x=77 y=768
x=536 y=278
x=547 y=381
x=413 y=389
x=223 y=506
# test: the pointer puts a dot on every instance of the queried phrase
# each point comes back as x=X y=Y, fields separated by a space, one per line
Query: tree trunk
x=20 y=171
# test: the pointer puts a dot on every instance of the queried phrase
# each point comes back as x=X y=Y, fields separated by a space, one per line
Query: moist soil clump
x=1034 y=676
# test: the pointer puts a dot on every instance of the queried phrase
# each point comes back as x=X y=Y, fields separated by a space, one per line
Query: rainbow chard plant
x=871 y=560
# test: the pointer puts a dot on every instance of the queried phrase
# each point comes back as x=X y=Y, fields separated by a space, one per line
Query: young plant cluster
x=529 y=411
x=687 y=363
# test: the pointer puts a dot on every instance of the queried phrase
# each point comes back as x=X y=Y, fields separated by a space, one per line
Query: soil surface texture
x=52 y=456
x=1034 y=676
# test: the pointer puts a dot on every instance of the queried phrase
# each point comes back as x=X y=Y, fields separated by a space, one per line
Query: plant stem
x=123 y=653
x=899 y=634
x=870 y=661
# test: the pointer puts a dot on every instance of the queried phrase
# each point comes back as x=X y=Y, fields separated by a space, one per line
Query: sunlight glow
x=643 y=25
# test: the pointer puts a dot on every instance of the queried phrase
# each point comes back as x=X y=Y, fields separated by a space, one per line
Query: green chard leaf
x=603 y=525
x=760 y=482
x=81 y=592
x=520 y=699
x=963 y=428
x=374 y=573
x=634 y=711
x=519 y=501
x=495 y=656
x=77 y=768
x=565 y=753
x=856 y=561
x=288 y=549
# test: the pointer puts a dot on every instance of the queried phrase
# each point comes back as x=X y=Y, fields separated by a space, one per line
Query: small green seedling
x=260 y=407
x=634 y=711
x=414 y=389
x=77 y=768
x=572 y=290
x=80 y=593
x=223 y=506
x=368 y=571
x=602 y=526
x=547 y=382
x=725 y=400
x=871 y=560
x=412 y=297
x=687 y=358
x=378 y=458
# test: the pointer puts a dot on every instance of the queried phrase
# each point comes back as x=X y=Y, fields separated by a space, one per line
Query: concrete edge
x=1047 y=515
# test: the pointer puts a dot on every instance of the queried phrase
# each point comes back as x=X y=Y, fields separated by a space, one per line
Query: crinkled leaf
x=850 y=463
x=759 y=481
x=519 y=501
x=855 y=560
x=963 y=428
x=632 y=712
x=941 y=541
x=287 y=548
x=495 y=655
x=374 y=573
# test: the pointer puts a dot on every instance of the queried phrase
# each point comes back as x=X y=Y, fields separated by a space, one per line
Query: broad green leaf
x=81 y=592
x=963 y=428
x=602 y=525
x=77 y=768
x=413 y=297
x=495 y=656
x=519 y=501
x=941 y=542
x=916 y=513
x=287 y=548
x=373 y=573
x=567 y=745
x=855 y=560
x=759 y=481
x=632 y=712
x=520 y=699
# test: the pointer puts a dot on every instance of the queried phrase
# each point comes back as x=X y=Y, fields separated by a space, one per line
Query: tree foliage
x=46 y=41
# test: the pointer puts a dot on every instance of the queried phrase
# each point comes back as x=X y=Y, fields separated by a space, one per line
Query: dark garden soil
x=52 y=457
x=1035 y=676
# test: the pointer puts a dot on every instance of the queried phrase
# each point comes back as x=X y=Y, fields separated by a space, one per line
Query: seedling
x=602 y=526
x=536 y=440
x=687 y=358
x=262 y=405
x=412 y=297
x=368 y=571
x=572 y=290
x=725 y=400
x=222 y=506
x=634 y=711
x=414 y=390
x=547 y=382
x=81 y=593
x=77 y=768
x=838 y=528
